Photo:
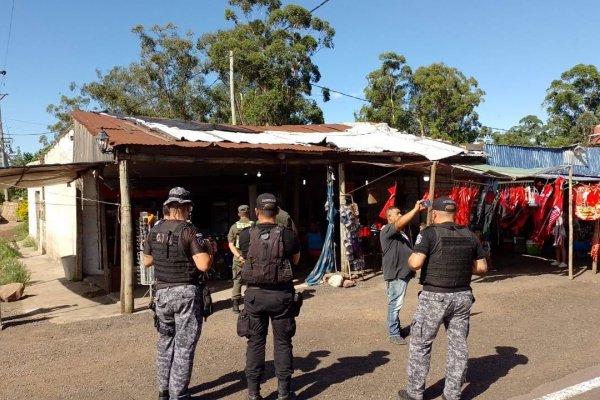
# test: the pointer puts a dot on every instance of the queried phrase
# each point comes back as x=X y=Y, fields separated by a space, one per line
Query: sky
x=513 y=48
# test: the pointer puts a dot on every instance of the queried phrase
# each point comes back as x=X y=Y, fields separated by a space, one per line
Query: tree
x=274 y=71
x=443 y=101
x=387 y=90
x=530 y=131
x=573 y=105
x=62 y=113
x=168 y=81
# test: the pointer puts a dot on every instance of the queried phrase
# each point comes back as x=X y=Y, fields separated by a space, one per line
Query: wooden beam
x=431 y=190
x=344 y=267
x=126 y=241
x=570 y=221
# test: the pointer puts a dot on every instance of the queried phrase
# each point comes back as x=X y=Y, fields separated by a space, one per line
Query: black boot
x=236 y=306
x=163 y=395
x=254 y=391
x=283 y=390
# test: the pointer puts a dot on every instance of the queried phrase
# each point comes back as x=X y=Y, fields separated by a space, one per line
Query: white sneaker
x=554 y=263
x=562 y=265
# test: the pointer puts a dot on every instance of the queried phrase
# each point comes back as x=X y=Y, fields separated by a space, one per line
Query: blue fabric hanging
x=326 y=262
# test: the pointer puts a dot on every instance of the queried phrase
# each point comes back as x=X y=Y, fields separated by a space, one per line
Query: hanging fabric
x=326 y=261
x=587 y=207
x=391 y=201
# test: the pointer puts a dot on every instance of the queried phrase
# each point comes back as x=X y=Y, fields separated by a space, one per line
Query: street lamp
x=102 y=140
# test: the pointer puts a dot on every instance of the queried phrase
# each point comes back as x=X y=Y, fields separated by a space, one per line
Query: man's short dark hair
x=166 y=212
x=268 y=213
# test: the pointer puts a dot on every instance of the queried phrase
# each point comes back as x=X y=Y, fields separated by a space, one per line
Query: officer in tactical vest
x=447 y=255
x=178 y=252
x=270 y=250
x=233 y=237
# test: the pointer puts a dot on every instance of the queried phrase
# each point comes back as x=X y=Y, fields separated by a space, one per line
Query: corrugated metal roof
x=43 y=174
x=357 y=138
x=540 y=157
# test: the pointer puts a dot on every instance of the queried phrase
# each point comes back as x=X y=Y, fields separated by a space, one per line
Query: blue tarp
x=326 y=262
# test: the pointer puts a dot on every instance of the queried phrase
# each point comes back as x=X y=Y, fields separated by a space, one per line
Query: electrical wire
x=12 y=10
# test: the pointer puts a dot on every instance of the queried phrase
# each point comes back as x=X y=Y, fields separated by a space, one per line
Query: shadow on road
x=483 y=372
x=43 y=310
x=308 y=385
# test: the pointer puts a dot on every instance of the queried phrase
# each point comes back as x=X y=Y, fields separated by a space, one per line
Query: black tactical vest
x=452 y=265
x=171 y=263
x=265 y=261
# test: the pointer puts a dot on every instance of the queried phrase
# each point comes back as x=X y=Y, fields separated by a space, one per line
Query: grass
x=11 y=268
x=22 y=231
x=30 y=242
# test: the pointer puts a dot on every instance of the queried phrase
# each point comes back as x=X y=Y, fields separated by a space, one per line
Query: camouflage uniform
x=179 y=309
x=236 y=268
x=433 y=309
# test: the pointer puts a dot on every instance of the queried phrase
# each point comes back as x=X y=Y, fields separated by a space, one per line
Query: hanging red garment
x=391 y=201
x=586 y=203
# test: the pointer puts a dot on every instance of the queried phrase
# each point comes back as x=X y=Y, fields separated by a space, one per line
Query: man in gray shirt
x=396 y=248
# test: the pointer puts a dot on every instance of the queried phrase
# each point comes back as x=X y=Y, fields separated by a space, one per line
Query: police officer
x=448 y=255
x=270 y=251
x=233 y=237
x=178 y=252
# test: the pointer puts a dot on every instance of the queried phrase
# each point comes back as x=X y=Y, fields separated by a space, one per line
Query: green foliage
x=388 y=93
x=435 y=101
x=573 y=105
x=62 y=113
x=12 y=270
x=168 y=81
x=22 y=231
x=531 y=131
x=8 y=249
x=30 y=242
x=23 y=211
x=274 y=71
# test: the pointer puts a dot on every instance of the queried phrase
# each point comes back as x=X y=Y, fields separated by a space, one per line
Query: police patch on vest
x=419 y=239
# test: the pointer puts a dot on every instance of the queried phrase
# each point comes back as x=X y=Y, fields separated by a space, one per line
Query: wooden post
x=344 y=267
x=571 y=221
x=431 y=190
x=126 y=241
x=595 y=242
x=231 y=91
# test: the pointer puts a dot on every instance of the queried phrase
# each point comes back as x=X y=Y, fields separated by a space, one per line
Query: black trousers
x=262 y=305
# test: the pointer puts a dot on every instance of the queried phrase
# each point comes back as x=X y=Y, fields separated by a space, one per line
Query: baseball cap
x=179 y=195
x=243 y=208
x=266 y=201
x=444 y=203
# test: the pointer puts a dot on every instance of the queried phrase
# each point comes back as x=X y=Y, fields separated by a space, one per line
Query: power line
x=383 y=105
x=12 y=10
x=319 y=6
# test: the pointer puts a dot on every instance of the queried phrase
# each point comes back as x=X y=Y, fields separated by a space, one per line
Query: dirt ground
x=530 y=326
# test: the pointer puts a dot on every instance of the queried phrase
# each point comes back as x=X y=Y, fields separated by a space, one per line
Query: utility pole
x=231 y=91
x=3 y=155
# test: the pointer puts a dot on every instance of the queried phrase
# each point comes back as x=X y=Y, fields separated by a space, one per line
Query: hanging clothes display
x=391 y=201
x=354 y=254
x=587 y=202
x=326 y=261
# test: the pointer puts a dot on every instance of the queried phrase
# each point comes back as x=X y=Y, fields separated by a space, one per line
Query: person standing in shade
x=396 y=248
x=178 y=252
x=233 y=238
x=270 y=251
x=447 y=255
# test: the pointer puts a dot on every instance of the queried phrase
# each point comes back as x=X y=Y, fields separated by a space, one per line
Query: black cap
x=179 y=195
x=266 y=201
x=444 y=203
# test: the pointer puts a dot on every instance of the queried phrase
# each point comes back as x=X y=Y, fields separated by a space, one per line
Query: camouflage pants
x=236 y=270
x=179 y=310
x=433 y=309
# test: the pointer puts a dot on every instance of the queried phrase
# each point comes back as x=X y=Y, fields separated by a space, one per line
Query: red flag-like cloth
x=391 y=202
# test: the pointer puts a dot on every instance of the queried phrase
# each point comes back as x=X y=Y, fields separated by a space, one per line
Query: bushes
x=23 y=211
x=11 y=268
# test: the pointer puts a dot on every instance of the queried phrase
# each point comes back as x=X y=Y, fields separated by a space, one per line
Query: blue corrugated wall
x=539 y=157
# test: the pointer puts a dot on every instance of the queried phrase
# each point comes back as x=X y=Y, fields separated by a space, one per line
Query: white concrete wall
x=33 y=217
x=60 y=205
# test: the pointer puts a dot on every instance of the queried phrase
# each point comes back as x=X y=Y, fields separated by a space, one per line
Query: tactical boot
x=163 y=395
x=236 y=306
x=403 y=395
x=255 y=397
x=283 y=390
